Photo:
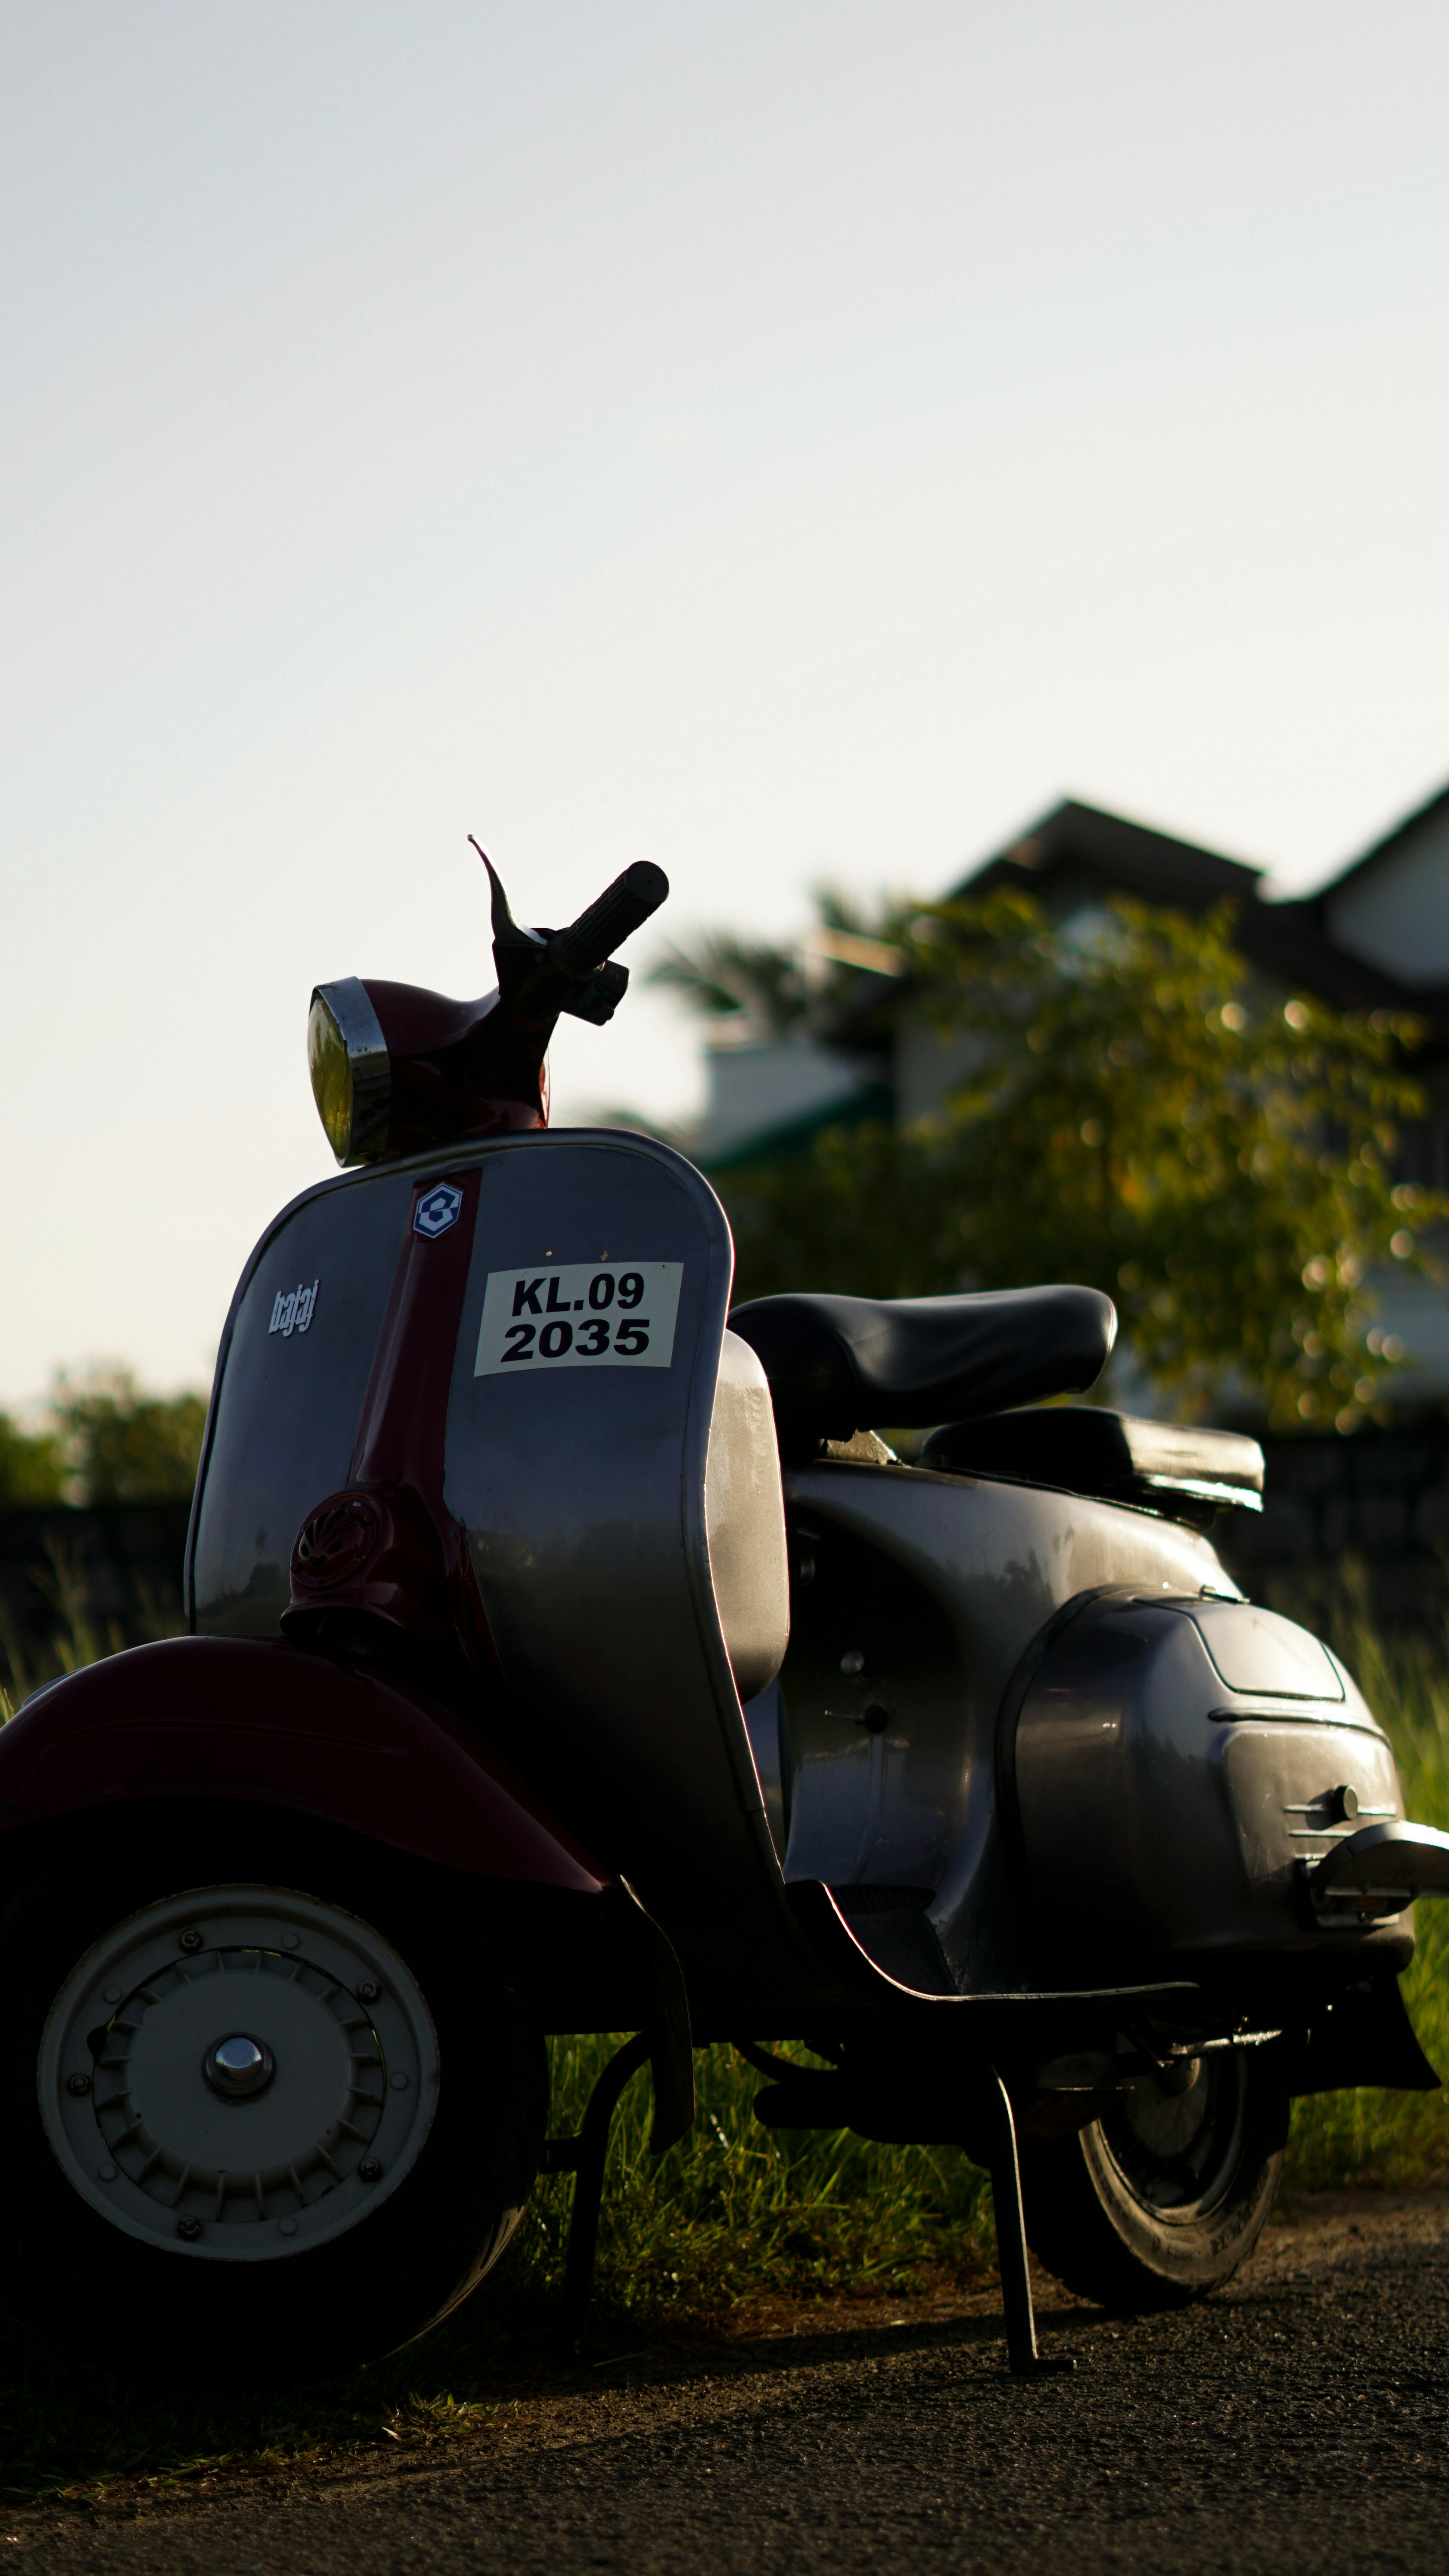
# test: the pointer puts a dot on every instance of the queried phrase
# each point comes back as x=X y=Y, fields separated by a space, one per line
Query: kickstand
x=1022 y=2357
x=583 y=2156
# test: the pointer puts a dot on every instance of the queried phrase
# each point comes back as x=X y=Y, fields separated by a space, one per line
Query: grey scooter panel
x=1166 y=1815
x=969 y=1571
x=625 y=1522
x=584 y=1496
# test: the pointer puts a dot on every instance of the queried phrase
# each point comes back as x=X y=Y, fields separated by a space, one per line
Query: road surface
x=1295 y=2421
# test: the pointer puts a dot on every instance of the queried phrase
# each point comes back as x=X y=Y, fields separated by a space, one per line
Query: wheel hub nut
x=238 y=2067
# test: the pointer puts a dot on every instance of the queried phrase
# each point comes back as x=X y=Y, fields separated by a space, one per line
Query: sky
x=786 y=440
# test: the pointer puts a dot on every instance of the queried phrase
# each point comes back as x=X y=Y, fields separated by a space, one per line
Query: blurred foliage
x=721 y=976
x=1124 y=1106
x=32 y=1467
x=778 y=990
x=105 y=1441
x=125 y=1446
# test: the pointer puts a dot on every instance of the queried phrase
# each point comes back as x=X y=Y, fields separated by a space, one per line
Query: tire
x=1163 y=2198
x=317 y=2191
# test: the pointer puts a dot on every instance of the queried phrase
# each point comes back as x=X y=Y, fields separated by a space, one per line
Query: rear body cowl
x=1175 y=1770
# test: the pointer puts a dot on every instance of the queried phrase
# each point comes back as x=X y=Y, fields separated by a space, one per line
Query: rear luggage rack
x=1183 y=1473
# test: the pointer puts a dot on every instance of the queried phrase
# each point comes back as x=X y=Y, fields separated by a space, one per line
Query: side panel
x=938 y=1584
x=1165 y=1813
x=235 y=1718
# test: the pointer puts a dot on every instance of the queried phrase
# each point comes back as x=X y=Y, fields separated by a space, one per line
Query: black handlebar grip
x=621 y=908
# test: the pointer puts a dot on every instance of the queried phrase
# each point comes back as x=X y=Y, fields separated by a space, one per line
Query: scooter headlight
x=351 y=1075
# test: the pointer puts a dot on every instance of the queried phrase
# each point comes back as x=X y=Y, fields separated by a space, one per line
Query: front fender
x=243 y=1718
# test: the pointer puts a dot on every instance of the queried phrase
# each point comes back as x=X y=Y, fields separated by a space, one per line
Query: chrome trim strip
x=1204 y=1490
x=1289 y=1705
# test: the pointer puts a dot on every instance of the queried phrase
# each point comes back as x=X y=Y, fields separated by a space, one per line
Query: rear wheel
x=1162 y=2199
x=271 y=2116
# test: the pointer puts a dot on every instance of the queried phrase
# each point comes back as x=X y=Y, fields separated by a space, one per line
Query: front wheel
x=1162 y=2199
x=271 y=2116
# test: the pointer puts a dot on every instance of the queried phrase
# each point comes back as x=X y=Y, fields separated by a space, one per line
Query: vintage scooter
x=568 y=1654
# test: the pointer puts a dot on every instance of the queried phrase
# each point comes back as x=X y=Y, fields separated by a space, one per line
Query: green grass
x=734 y=2213
x=1342 y=2139
x=77 y=1634
x=738 y=2210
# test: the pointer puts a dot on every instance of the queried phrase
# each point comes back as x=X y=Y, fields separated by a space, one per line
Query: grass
x=735 y=2212
x=1395 y=2139
x=77 y=1634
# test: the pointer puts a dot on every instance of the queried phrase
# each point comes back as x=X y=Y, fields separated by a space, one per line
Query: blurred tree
x=780 y=991
x=32 y=1467
x=1136 y=1114
x=123 y=1446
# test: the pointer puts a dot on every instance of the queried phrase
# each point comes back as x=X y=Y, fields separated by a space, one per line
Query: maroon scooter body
x=242 y=1719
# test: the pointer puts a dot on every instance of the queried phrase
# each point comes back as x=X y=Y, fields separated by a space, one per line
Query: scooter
x=569 y=1654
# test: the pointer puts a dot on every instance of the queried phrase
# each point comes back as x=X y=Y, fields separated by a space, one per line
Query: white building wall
x=1417 y=1311
x=757 y=1091
x=1396 y=913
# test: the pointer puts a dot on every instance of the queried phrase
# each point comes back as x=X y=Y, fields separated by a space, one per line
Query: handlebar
x=623 y=907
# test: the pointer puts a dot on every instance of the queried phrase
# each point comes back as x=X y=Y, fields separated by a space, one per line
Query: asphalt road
x=1299 y=2420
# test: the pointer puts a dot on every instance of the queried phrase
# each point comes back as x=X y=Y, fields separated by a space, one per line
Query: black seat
x=1179 y=1471
x=838 y=1365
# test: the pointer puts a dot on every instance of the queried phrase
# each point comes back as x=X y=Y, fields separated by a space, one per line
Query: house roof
x=1130 y=858
x=1289 y=942
x=1389 y=847
x=1080 y=853
x=1391 y=904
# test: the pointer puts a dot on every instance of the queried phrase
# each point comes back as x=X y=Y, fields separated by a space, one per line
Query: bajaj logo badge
x=441 y=1208
x=292 y=1310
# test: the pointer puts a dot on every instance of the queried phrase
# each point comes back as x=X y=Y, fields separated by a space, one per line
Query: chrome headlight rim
x=348 y=1006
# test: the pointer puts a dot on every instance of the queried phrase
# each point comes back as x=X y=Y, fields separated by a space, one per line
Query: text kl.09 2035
x=584 y=1314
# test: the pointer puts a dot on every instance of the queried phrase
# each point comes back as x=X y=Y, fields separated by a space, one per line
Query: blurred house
x=1375 y=937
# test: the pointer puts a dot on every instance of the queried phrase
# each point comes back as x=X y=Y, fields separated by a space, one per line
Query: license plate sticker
x=579 y=1314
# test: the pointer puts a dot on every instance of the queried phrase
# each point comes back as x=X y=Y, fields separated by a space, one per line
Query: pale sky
x=783 y=439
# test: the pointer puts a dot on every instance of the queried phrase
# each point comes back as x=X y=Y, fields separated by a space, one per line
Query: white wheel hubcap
x=238 y=2073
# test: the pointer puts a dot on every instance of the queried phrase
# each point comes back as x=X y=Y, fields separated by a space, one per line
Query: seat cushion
x=837 y=1365
x=1085 y=1449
